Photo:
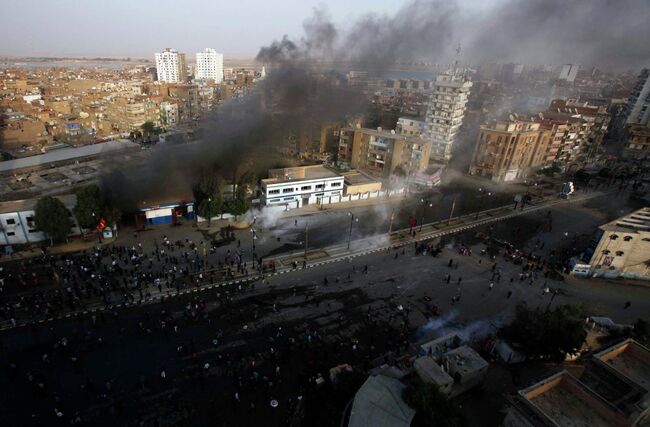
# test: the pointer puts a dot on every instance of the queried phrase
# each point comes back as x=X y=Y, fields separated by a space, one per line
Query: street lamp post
x=353 y=219
x=553 y=295
x=306 y=237
x=425 y=203
x=451 y=212
x=480 y=201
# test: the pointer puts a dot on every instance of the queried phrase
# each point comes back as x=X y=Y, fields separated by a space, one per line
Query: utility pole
x=390 y=226
x=451 y=214
x=555 y=292
x=306 y=239
x=353 y=218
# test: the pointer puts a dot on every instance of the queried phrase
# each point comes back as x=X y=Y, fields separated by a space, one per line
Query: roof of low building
x=433 y=370
x=301 y=173
x=379 y=403
x=635 y=222
x=465 y=359
x=69 y=200
x=66 y=154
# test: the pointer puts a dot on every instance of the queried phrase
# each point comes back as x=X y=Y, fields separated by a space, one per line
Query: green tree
x=208 y=194
x=547 y=335
x=237 y=207
x=90 y=206
x=433 y=408
x=240 y=203
x=147 y=128
x=53 y=218
x=641 y=332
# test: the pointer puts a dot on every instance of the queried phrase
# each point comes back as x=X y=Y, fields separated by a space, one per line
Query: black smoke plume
x=306 y=84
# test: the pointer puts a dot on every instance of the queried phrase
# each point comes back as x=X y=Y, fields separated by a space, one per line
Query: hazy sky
x=141 y=27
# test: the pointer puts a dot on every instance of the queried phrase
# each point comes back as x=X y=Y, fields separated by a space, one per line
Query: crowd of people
x=42 y=287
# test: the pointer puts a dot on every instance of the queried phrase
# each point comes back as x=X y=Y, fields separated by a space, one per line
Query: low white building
x=302 y=186
x=17 y=221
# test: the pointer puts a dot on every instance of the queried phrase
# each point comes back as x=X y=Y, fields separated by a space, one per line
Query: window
x=274 y=191
x=288 y=198
x=320 y=186
x=335 y=184
x=32 y=230
x=627 y=238
x=11 y=221
x=606 y=252
x=305 y=188
x=287 y=190
x=613 y=236
x=620 y=253
x=11 y=233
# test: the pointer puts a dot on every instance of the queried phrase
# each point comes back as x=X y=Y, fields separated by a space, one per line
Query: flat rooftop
x=357 y=178
x=565 y=401
x=465 y=360
x=630 y=359
x=637 y=221
x=441 y=344
x=297 y=174
x=433 y=370
x=69 y=200
x=387 y=134
x=66 y=154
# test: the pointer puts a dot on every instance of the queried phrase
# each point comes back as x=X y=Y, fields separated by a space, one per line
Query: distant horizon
x=369 y=31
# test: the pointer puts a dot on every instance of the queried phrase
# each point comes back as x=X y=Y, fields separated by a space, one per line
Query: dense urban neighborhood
x=387 y=222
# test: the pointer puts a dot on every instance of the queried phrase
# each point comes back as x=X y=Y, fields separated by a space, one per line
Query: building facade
x=302 y=186
x=638 y=106
x=623 y=249
x=637 y=146
x=408 y=126
x=445 y=113
x=170 y=66
x=381 y=152
x=128 y=114
x=17 y=224
x=510 y=150
x=209 y=65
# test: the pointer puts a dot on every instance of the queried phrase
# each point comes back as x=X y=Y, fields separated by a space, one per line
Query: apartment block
x=510 y=150
x=128 y=114
x=638 y=106
x=637 y=146
x=170 y=66
x=623 y=249
x=381 y=152
x=209 y=65
x=445 y=113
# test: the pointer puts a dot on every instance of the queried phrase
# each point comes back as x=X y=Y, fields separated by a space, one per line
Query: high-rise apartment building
x=381 y=152
x=209 y=65
x=510 y=150
x=170 y=66
x=638 y=106
x=445 y=113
